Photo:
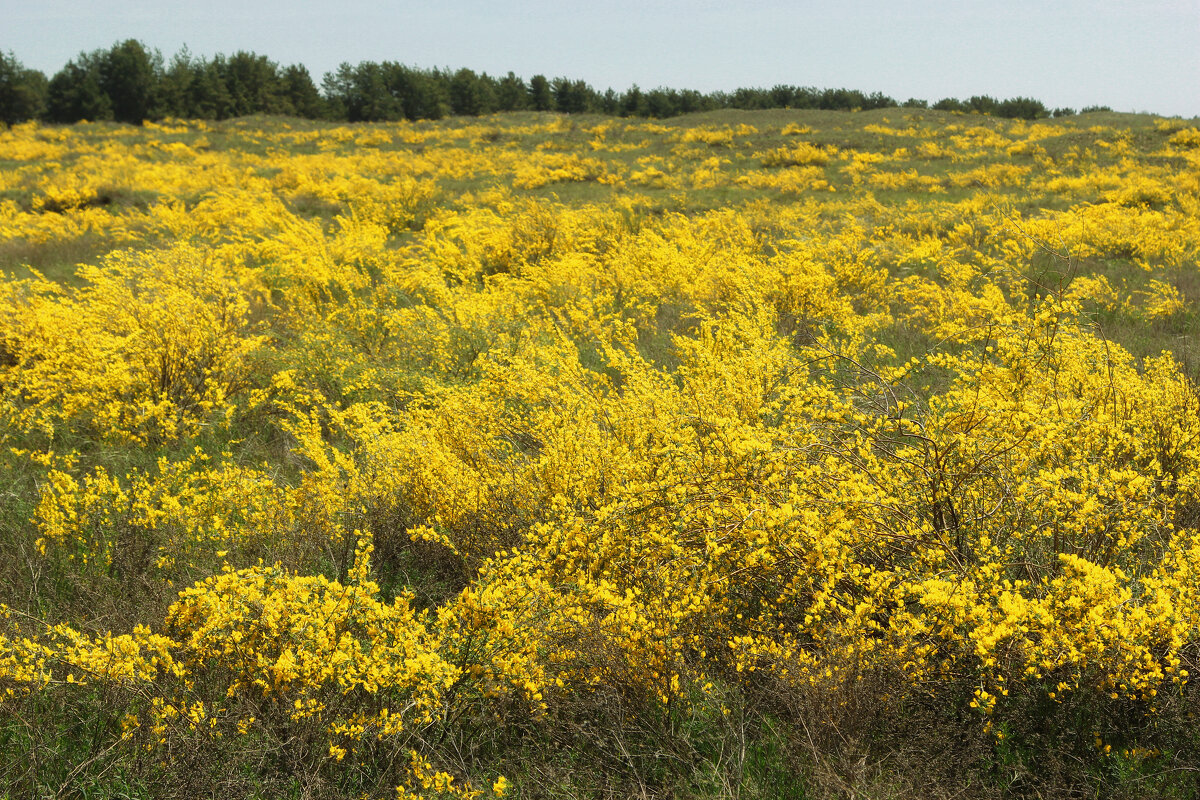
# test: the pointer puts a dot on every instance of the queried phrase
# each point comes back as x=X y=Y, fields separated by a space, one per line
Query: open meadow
x=779 y=454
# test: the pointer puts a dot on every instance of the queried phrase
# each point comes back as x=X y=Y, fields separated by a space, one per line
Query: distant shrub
x=802 y=154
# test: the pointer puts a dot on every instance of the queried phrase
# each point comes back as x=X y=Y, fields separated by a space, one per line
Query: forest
x=131 y=83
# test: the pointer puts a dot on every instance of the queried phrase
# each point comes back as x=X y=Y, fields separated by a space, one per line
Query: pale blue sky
x=1133 y=56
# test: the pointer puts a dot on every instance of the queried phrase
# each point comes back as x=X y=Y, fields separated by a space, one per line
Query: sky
x=1132 y=55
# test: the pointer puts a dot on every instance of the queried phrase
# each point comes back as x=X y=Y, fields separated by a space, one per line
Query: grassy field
x=747 y=454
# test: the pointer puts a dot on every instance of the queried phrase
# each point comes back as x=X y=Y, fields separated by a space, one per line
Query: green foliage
x=129 y=83
x=22 y=91
x=572 y=97
x=76 y=92
x=1013 y=108
x=253 y=84
x=511 y=93
x=119 y=84
x=193 y=88
x=472 y=94
x=128 y=76
x=299 y=90
x=539 y=93
x=387 y=91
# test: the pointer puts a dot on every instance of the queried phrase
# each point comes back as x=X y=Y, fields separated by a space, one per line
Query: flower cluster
x=369 y=435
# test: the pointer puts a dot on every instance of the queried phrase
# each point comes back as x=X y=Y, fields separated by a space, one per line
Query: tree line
x=132 y=83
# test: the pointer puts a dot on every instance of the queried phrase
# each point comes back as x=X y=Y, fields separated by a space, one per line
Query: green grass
x=57 y=259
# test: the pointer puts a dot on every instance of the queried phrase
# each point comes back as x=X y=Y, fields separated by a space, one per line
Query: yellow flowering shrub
x=154 y=346
x=307 y=645
x=176 y=518
x=373 y=458
x=799 y=155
